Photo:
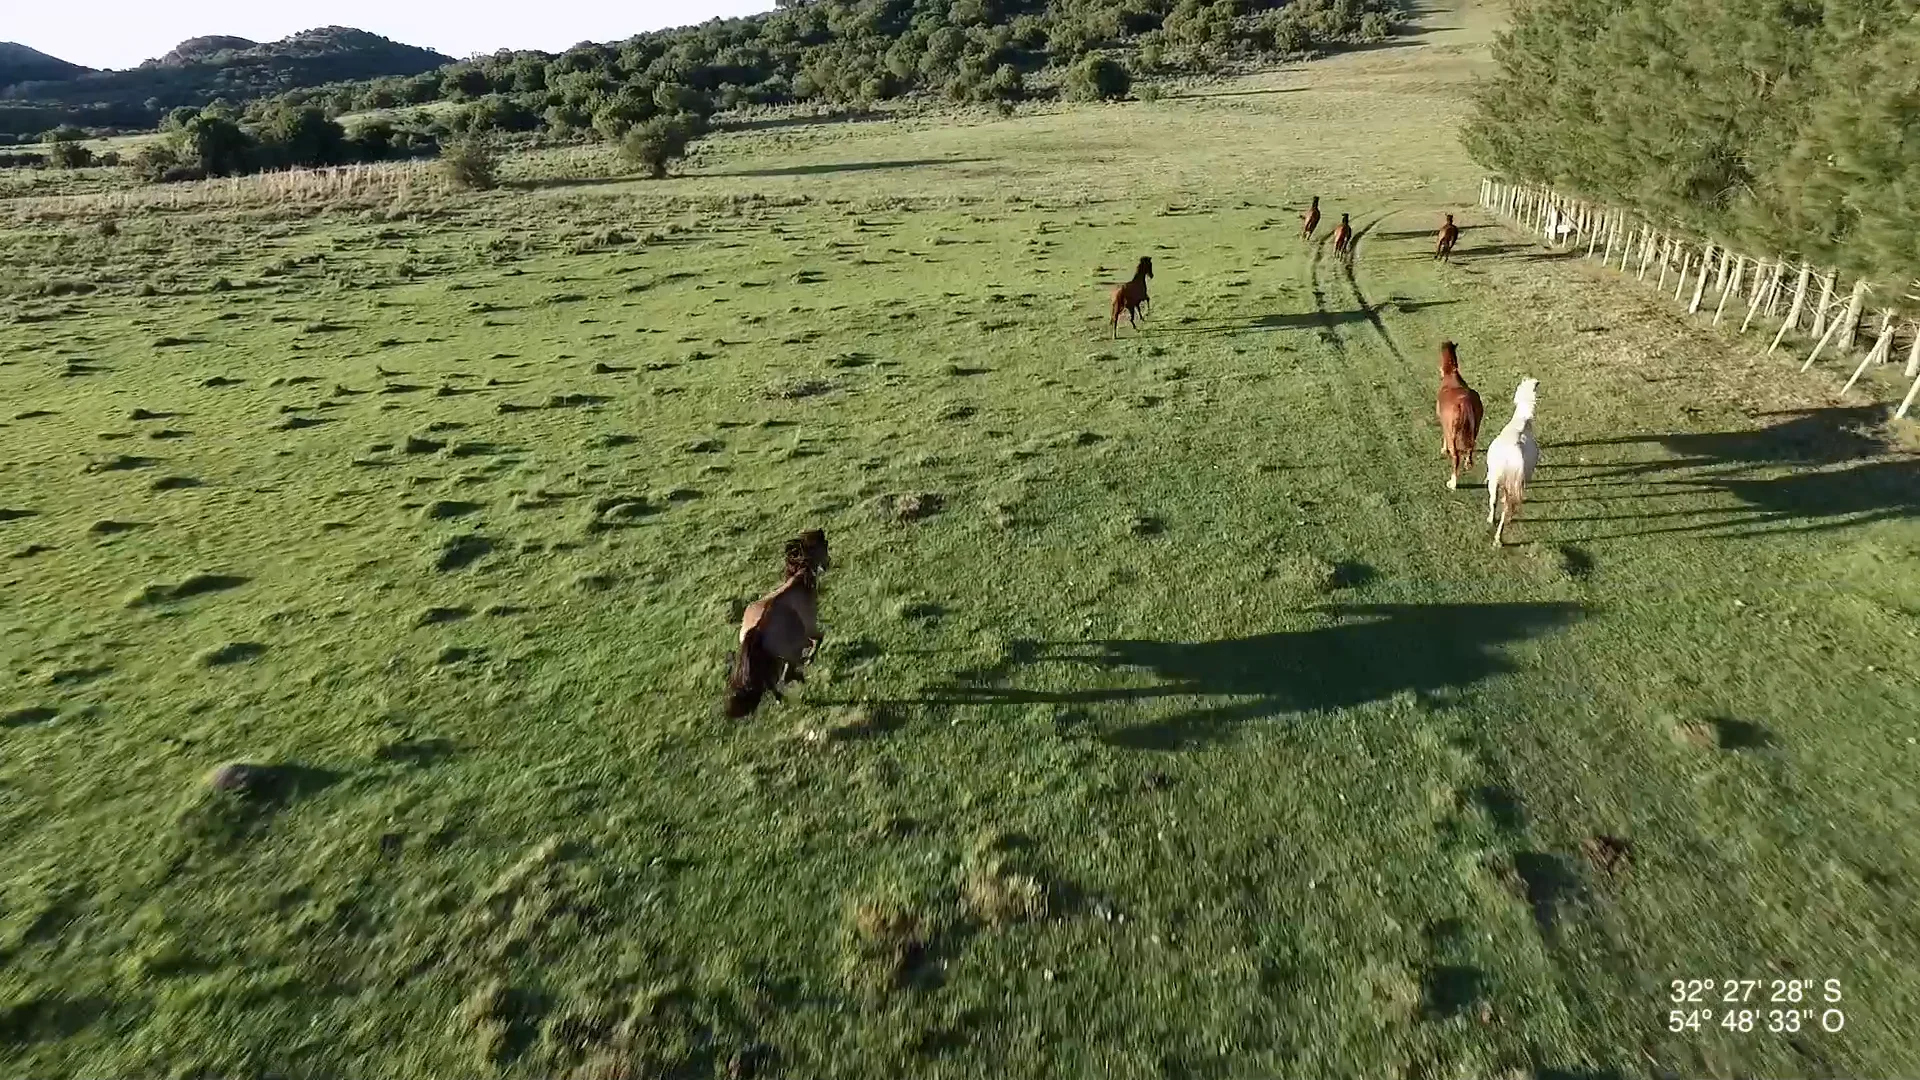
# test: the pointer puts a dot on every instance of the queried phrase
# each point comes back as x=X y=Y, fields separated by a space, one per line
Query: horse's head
x=1316 y=200
x=1449 y=357
x=808 y=552
x=1523 y=397
x=1145 y=269
x=1449 y=219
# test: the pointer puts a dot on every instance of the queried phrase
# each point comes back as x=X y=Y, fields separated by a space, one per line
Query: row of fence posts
x=1704 y=270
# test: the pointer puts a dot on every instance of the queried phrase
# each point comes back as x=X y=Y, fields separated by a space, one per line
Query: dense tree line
x=198 y=143
x=856 y=52
x=1780 y=126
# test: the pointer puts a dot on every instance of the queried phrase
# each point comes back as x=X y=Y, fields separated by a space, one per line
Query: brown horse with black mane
x=1343 y=239
x=1132 y=297
x=1311 y=220
x=780 y=632
x=1460 y=413
x=1449 y=236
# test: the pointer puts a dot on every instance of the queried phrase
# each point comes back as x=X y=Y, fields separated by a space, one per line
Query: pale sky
x=122 y=33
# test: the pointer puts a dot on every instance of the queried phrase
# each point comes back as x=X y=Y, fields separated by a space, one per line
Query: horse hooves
x=1453 y=483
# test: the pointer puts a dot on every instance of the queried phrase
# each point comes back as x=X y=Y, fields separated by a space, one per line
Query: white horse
x=1559 y=225
x=1511 y=460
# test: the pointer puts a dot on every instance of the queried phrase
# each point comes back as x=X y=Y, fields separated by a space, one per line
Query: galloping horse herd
x=780 y=633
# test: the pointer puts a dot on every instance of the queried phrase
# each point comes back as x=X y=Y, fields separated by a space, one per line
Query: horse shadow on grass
x=1366 y=653
x=1847 y=473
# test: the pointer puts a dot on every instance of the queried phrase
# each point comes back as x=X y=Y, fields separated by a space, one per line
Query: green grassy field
x=1174 y=719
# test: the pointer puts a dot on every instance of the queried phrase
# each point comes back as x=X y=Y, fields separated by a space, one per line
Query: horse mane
x=800 y=553
x=1144 y=269
x=1523 y=399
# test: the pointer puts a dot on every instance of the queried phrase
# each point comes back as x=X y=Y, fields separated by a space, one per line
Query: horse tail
x=752 y=670
x=1513 y=490
x=1474 y=413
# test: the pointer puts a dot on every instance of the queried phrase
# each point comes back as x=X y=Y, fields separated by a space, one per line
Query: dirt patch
x=1610 y=857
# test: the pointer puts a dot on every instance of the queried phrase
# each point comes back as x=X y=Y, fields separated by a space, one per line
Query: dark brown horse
x=1449 y=236
x=1311 y=220
x=1460 y=413
x=780 y=632
x=1132 y=297
x=1343 y=239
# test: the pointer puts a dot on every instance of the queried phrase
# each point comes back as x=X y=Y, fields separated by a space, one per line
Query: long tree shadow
x=1368 y=653
x=1847 y=475
x=1305 y=320
x=1433 y=233
x=1261 y=92
x=1810 y=437
x=851 y=166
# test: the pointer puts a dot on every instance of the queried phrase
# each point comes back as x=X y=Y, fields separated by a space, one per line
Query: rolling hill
x=196 y=72
x=20 y=64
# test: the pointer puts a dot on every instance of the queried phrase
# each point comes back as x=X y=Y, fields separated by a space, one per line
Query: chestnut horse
x=1343 y=239
x=1132 y=297
x=1449 y=236
x=780 y=632
x=1460 y=412
x=1311 y=220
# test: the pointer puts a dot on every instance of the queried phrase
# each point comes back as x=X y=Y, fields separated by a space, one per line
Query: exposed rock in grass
x=902 y=509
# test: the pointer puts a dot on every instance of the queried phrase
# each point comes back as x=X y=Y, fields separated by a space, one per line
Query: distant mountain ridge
x=19 y=64
x=38 y=92
x=202 y=49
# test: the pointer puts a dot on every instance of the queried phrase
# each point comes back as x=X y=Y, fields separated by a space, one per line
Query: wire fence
x=1798 y=296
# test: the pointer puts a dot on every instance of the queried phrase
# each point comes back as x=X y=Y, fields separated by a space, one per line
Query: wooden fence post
x=1826 y=303
x=1793 y=313
x=1833 y=329
x=1800 y=294
x=1878 y=352
x=1850 y=322
x=1700 y=287
x=1907 y=402
x=1726 y=290
x=1759 y=293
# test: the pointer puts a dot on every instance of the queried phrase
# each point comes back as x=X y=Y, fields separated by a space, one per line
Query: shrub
x=1287 y=36
x=1007 y=84
x=659 y=142
x=1099 y=78
x=217 y=145
x=63 y=154
x=469 y=165
x=153 y=161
